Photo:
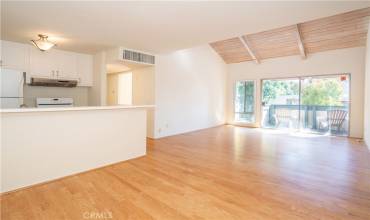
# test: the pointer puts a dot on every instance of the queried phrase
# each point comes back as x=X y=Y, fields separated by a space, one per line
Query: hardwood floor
x=219 y=173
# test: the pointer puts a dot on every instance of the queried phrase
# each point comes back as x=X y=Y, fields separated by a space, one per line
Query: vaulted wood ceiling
x=330 y=33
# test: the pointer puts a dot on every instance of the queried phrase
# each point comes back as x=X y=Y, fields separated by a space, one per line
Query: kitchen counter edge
x=89 y=108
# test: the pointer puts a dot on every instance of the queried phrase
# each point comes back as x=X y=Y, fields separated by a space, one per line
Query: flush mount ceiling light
x=42 y=43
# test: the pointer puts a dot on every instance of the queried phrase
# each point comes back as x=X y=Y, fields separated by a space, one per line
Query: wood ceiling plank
x=299 y=42
x=244 y=40
x=323 y=43
x=335 y=32
x=338 y=37
x=314 y=48
x=333 y=35
x=354 y=27
x=339 y=18
x=272 y=33
x=360 y=23
x=231 y=50
x=275 y=43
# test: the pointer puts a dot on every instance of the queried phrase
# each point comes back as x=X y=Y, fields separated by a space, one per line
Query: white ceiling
x=154 y=27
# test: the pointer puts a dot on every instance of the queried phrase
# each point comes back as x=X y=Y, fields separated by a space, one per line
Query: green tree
x=274 y=88
x=323 y=92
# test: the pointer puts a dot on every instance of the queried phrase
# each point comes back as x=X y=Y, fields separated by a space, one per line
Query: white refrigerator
x=11 y=82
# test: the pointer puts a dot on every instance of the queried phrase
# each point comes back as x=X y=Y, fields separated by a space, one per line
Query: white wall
x=142 y=86
x=143 y=92
x=189 y=91
x=367 y=93
x=143 y=89
x=112 y=89
x=42 y=146
x=125 y=89
x=143 y=82
x=98 y=92
x=331 y=62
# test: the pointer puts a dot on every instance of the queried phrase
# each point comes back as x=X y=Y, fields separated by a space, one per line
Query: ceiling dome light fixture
x=42 y=43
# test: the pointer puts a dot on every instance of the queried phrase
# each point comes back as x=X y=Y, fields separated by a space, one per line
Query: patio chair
x=283 y=116
x=334 y=121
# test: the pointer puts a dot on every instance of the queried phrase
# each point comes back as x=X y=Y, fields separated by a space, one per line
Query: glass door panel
x=325 y=104
x=280 y=103
x=244 y=101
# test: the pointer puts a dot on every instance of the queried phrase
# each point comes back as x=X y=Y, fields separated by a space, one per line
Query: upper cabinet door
x=85 y=69
x=67 y=65
x=53 y=63
x=15 y=56
x=43 y=63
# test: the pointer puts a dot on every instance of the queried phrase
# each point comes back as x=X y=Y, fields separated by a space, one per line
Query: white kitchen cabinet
x=43 y=63
x=14 y=56
x=85 y=69
x=53 y=64
x=66 y=65
x=57 y=64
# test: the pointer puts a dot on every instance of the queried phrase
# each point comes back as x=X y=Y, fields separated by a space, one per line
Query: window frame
x=252 y=122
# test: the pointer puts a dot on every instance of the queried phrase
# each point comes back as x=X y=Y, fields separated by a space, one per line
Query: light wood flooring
x=219 y=173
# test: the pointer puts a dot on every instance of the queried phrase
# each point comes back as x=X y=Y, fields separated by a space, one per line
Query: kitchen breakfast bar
x=36 y=147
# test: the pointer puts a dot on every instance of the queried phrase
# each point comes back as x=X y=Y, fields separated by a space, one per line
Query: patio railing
x=310 y=115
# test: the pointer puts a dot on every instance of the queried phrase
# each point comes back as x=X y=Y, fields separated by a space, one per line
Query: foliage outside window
x=320 y=91
x=323 y=92
x=244 y=101
x=272 y=89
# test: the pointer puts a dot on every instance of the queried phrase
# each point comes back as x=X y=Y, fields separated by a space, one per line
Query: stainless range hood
x=53 y=82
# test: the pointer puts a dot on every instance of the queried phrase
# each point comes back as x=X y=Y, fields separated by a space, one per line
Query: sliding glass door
x=325 y=104
x=318 y=104
x=280 y=103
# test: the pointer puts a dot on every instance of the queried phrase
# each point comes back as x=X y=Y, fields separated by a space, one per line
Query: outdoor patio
x=310 y=118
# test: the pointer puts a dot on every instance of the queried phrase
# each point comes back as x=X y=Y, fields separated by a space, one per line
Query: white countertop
x=87 y=108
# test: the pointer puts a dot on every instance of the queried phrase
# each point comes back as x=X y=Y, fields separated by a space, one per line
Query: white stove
x=54 y=102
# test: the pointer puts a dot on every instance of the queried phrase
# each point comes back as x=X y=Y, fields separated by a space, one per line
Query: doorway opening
x=120 y=89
